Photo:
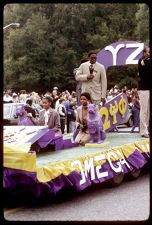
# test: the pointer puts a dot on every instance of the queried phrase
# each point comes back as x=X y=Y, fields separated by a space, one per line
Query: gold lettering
x=122 y=106
x=113 y=111
x=104 y=112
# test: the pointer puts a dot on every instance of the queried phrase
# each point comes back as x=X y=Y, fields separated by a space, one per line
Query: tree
x=122 y=75
x=53 y=38
x=142 y=28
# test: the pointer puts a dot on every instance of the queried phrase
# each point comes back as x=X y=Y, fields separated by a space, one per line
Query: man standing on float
x=93 y=77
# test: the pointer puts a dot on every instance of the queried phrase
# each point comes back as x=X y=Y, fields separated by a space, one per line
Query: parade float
x=29 y=168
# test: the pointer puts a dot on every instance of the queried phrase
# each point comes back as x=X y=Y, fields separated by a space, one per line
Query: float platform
x=44 y=174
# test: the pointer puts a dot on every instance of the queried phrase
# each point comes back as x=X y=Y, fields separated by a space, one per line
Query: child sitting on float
x=48 y=116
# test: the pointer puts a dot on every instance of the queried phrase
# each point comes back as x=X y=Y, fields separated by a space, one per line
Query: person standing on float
x=144 y=73
x=93 y=77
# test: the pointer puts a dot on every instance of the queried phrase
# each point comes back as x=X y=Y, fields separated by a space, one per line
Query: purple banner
x=114 y=111
x=120 y=53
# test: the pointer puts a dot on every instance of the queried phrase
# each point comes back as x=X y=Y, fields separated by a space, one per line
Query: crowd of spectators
x=65 y=103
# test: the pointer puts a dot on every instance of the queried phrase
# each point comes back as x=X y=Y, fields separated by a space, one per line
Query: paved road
x=129 y=201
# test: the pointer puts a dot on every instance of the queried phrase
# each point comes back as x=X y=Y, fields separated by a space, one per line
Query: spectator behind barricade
x=72 y=117
x=36 y=101
x=63 y=113
x=131 y=97
x=7 y=98
x=55 y=95
x=28 y=95
x=128 y=93
x=57 y=102
x=15 y=98
x=35 y=97
x=116 y=90
x=48 y=116
x=29 y=101
x=67 y=106
x=135 y=109
x=124 y=91
x=74 y=96
x=111 y=95
x=125 y=88
x=9 y=91
x=67 y=102
x=55 y=88
x=48 y=93
x=22 y=96
x=29 y=109
x=64 y=95
x=67 y=94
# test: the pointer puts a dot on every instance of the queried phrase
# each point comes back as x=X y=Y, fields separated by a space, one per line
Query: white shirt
x=46 y=117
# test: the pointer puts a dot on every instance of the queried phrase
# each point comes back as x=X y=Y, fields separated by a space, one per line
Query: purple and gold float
x=70 y=166
x=77 y=167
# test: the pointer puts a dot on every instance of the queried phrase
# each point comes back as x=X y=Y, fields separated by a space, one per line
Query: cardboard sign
x=114 y=111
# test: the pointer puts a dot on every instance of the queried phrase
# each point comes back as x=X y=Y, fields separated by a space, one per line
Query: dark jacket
x=144 y=74
x=72 y=115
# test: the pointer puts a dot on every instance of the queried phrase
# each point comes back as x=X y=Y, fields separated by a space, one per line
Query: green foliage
x=142 y=28
x=122 y=75
x=53 y=38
